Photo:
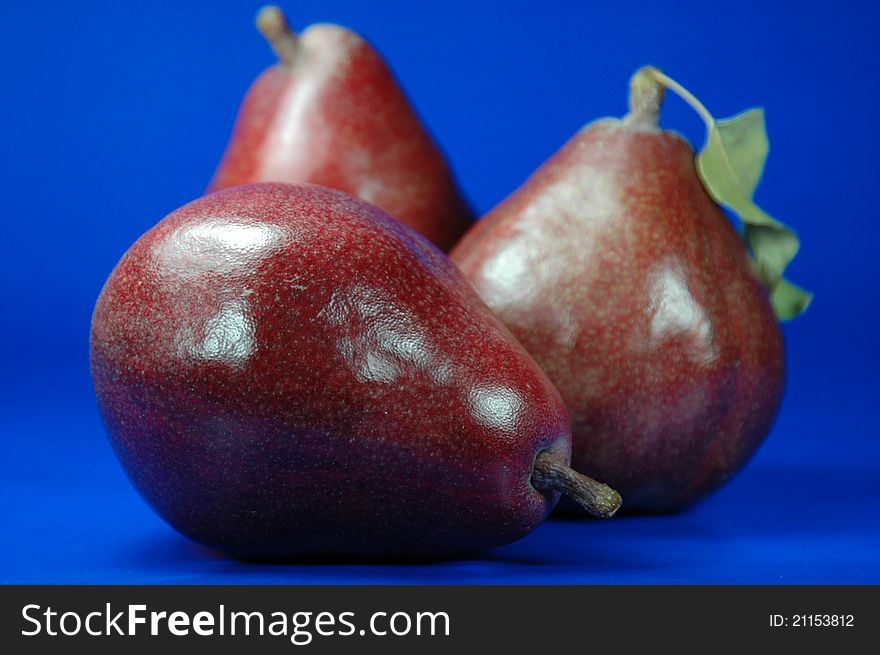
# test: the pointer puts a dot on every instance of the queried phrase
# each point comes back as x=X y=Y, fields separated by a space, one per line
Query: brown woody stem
x=550 y=474
x=274 y=28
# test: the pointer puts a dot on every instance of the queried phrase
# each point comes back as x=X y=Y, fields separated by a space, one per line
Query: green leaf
x=737 y=147
x=730 y=166
x=788 y=300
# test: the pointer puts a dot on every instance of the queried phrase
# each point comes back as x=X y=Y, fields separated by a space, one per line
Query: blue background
x=116 y=114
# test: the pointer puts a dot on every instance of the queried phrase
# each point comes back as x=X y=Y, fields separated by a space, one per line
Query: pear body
x=336 y=116
x=285 y=372
x=634 y=293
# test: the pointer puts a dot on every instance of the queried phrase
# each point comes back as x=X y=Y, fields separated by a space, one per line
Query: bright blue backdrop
x=114 y=114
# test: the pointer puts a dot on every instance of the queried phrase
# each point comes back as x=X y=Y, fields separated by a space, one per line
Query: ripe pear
x=286 y=371
x=330 y=112
x=631 y=288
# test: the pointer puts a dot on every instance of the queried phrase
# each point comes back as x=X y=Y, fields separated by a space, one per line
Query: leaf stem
x=682 y=93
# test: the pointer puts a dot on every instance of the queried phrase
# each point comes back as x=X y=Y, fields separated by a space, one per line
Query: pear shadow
x=173 y=549
x=564 y=549
x=558 y=552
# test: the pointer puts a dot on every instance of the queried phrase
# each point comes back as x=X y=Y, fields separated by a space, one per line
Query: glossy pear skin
x=285 y=371
x=631 y=289
x=336 y=116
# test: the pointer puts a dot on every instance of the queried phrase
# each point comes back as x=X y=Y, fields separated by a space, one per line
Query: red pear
x=632 y=290
x=285 y=371
x=331 y=113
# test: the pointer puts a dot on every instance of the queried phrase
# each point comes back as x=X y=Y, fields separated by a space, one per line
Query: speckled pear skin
x=285 y=371
x=632 y=290
x=337 y=117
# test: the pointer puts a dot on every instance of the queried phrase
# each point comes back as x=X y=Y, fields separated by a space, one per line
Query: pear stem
x=645 y=98
x=273 y=26
x=550 y=474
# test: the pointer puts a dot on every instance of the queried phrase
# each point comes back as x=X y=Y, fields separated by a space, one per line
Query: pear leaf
x=738 y=147
x=788 y=300
x=730 y=166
